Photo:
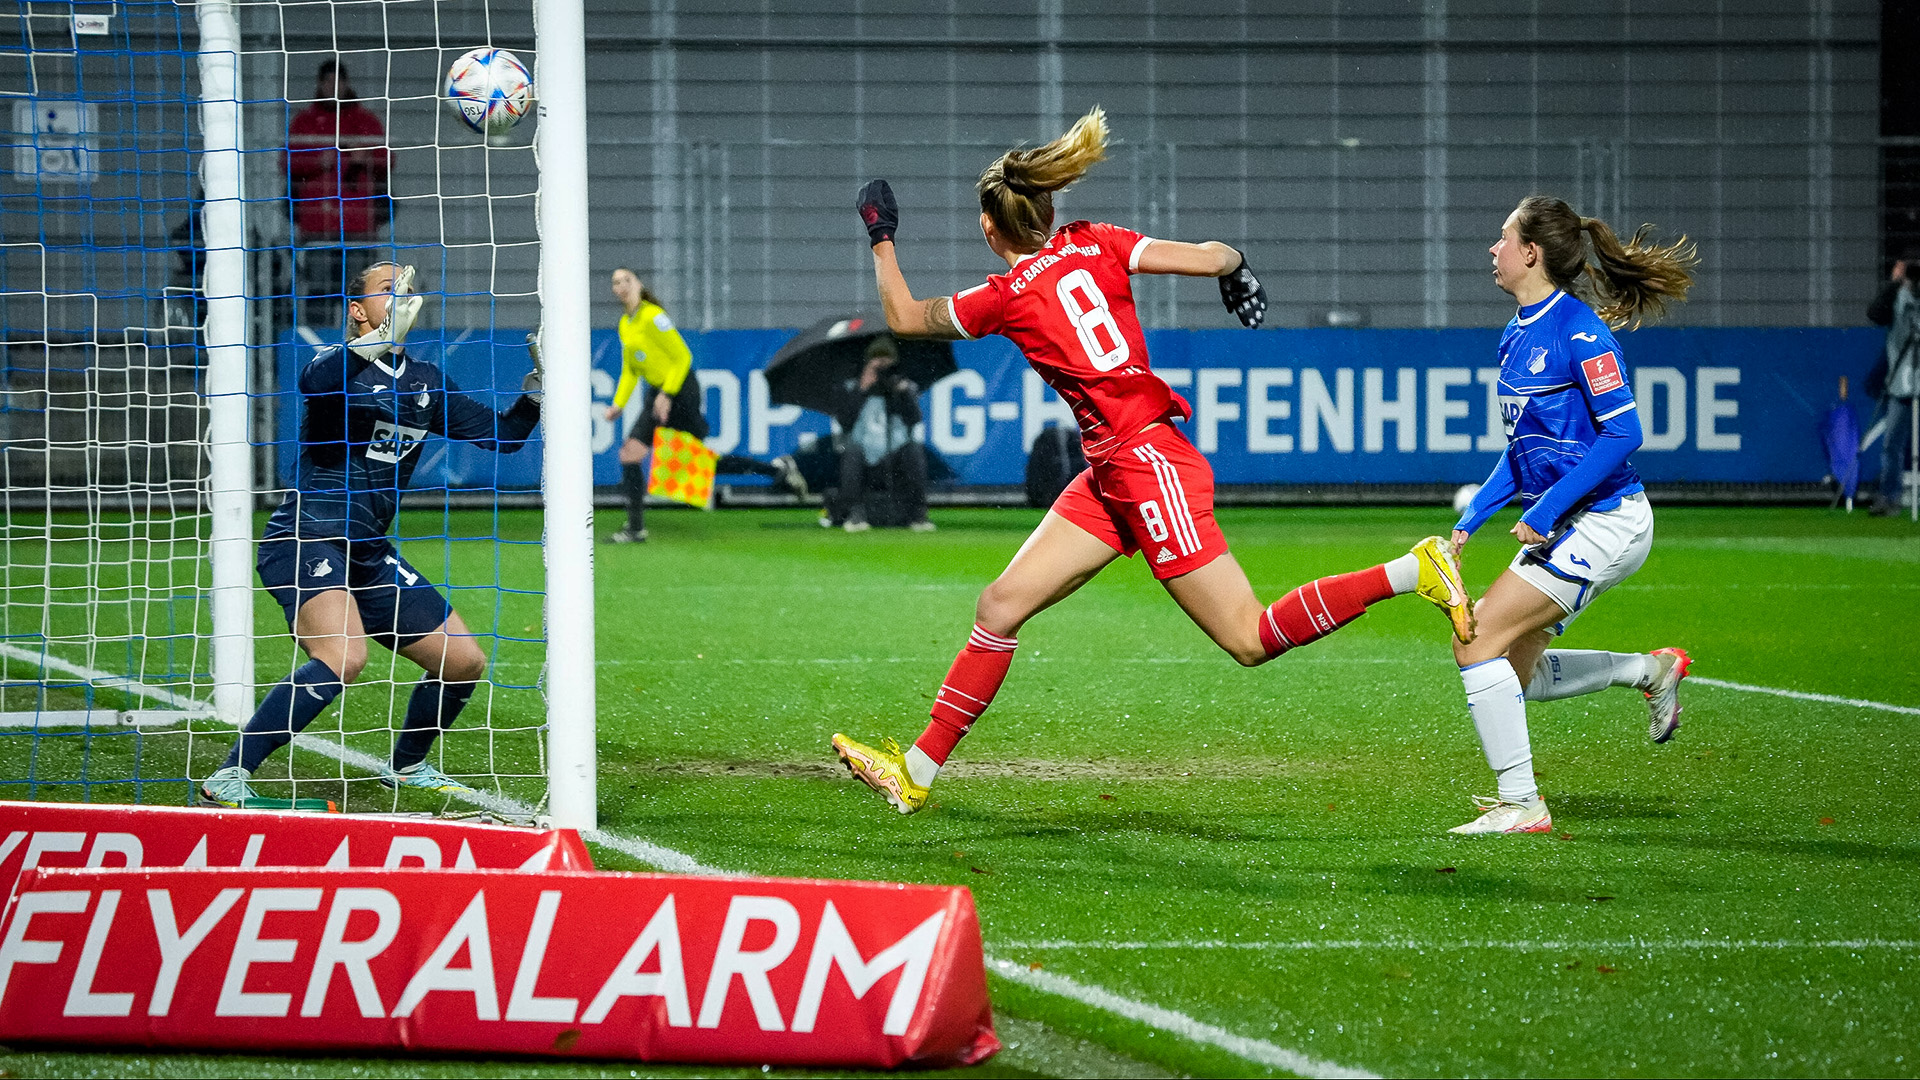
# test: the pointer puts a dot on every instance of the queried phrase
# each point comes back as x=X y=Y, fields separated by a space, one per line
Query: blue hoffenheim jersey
x=1560 y=376
x=360 y=436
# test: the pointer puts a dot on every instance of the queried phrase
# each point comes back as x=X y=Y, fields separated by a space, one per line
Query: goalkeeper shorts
x=398 y=605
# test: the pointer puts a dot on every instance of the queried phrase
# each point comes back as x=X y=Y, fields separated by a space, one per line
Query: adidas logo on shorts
x=1164 y=556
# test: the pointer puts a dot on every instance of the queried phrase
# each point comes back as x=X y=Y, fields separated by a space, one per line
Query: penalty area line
x=1801 y=695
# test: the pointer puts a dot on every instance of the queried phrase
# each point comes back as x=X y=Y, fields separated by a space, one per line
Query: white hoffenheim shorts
x=1594 y=552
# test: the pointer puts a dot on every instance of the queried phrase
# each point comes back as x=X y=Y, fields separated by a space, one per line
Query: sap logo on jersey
x=1603 y=373
x=1511 y=406
x=392 y=442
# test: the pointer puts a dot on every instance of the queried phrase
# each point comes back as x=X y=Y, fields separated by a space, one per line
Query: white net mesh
x=350 y=157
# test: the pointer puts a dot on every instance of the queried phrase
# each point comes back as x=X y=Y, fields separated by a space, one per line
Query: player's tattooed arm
x=938 y=313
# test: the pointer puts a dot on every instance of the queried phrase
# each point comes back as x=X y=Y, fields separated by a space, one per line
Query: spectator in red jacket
x=337 y=165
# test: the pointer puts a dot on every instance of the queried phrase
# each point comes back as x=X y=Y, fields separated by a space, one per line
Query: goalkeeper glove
x=1243 y=295
x=402 y=307
x=531 y=385
x=878 y=210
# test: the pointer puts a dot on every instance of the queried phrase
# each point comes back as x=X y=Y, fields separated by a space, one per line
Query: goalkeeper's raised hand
x=532 y=386
x=1243 y=295
x=403 y=306
x=878 y=211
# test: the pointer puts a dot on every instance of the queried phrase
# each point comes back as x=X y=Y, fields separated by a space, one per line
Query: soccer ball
x=490 y=89
x=1463 y=498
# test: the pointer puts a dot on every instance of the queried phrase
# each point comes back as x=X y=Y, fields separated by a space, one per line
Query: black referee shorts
x=685 y=414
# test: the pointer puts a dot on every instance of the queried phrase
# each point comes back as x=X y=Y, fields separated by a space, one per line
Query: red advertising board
x=89 y=834
x=646 y=966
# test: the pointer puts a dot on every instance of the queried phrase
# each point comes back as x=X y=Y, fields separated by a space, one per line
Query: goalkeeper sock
x=289 y=707
x=1500 y=716
x=972 y=681
x=1565 y=673
x=432 y=709
x=1318 y=608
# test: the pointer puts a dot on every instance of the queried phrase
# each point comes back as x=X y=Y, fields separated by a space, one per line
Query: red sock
x=1320 y=607
x=972 y=681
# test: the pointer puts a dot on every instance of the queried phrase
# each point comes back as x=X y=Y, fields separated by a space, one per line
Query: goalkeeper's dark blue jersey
x=360 y=436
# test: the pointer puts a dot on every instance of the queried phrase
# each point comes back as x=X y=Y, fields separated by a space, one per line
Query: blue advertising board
x=1270 y=407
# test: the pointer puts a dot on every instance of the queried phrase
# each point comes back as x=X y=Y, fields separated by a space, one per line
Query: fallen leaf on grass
x=1573 y=965
x=1445 y=870
x=977 y=870
x=1826 y=821
x=1108 y=798
x=1603 y=969
x=1035 y=966
x=1397 y=973
x=1599 y=899
x=1566 y=836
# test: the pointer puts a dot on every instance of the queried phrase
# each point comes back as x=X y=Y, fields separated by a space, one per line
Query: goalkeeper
x=327 y=559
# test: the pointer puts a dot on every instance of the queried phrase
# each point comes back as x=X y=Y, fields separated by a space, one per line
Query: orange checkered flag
x=683 y=468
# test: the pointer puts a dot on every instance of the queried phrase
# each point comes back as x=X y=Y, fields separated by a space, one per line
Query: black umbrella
x=808 y=370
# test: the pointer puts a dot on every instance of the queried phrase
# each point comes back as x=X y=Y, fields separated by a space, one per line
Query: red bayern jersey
x=1069 y=308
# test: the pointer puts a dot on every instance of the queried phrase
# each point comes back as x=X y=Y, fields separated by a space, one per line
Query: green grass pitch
x=1265 y=850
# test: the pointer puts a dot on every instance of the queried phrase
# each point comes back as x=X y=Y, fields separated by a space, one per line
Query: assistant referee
x=652 y=350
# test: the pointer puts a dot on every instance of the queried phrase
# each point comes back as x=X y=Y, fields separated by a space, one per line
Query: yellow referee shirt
x=651 y=349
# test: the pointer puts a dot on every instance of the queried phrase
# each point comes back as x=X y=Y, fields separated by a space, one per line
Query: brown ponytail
x=1016 y=191
x=1630 y=282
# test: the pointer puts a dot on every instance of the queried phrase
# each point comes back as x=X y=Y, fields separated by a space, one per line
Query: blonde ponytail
x=1016 y=191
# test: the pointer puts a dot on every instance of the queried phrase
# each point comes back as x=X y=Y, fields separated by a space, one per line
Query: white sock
x=1500 y=716
x=1565 y=673
x=1403 y=574
x=921 y=768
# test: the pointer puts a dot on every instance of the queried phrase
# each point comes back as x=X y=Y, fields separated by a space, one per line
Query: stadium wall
x=1363 y=153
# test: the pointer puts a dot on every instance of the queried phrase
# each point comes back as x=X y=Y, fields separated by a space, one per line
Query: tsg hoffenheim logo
x=1538 y=361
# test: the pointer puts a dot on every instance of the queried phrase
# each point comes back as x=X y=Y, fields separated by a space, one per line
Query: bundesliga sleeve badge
x=1603 y=374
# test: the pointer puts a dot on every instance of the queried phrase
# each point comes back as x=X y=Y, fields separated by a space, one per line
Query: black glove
x=1244 y=296
x=878 y=210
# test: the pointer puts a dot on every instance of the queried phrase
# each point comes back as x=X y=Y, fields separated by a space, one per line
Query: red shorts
x=1155 y=495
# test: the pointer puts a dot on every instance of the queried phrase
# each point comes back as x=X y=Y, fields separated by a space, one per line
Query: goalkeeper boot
x=228 y=787
x=1663 y=696
x=1499 y=816
x=1442 y=585
x=884 y=770
x=422 y=776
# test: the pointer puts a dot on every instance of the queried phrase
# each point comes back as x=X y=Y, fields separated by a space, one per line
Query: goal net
x=189 y=192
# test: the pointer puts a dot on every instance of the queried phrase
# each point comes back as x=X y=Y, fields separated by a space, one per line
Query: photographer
x=1897 y=376
x=877 y=412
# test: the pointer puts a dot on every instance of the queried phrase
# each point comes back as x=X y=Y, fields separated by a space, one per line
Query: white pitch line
x=1167 y=1020
x=1624 y=944
x=116 y=682
x=1801 y=695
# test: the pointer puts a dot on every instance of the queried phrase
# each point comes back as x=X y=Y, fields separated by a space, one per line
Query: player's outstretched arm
x=1240 y=290
x=1209 y=259
x=906 y=316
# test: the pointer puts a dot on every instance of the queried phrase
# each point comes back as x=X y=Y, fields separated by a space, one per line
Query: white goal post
x=560 y=81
